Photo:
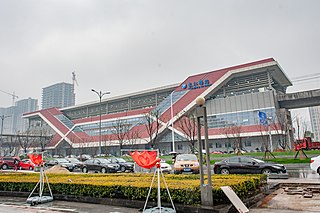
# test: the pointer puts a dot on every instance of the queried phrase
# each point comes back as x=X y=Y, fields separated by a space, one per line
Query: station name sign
x=196 y=84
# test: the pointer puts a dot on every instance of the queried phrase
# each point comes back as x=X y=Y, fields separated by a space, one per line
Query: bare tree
x=44 y=138
x=188 y=125
x=152 y=124
x=120 y=131
x=280 y=124
x=12 y=145
x=133 y=135
x=233 y=133
x=263 y=129
x=302 y=127
x=26 y=140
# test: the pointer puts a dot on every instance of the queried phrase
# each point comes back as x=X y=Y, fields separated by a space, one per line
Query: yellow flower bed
x=184 y=188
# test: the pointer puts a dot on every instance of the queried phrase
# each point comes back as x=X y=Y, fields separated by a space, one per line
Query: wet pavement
x=19 y=205
x=280 y=201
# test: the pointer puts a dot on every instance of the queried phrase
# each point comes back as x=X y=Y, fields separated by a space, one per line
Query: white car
x=165 y=167
x=315 y=164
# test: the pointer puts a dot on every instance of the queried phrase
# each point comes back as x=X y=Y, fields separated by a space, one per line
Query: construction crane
x=12 y=94
x=74 y=80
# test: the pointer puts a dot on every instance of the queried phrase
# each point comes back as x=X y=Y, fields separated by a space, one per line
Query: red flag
x=145 y=159
x=36 y=159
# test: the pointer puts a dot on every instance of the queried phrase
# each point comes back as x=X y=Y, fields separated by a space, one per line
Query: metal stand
x=40 y=199
x=159 y=208
x=300 y=152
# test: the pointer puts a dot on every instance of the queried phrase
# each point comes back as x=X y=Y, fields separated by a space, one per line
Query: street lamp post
x=206 y=189
x=100 y=94
x=172 y=132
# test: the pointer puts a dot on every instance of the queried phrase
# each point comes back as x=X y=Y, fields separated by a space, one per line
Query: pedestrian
x=16 y=162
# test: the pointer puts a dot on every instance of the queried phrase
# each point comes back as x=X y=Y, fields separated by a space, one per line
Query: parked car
x=100 y=165
x=77 y=164
x=26 y=164
x=315 y=164
x=165 y=167
x=186 y=163
x=84 y=157
x=247 y=165
x=62 y=162
x=7 y=162
x=124 y=165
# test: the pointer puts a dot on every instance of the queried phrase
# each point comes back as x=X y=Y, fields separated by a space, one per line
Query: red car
x=26 y=164
x=7 y=162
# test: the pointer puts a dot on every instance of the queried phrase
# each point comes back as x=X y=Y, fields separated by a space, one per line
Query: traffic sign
x=263 y=118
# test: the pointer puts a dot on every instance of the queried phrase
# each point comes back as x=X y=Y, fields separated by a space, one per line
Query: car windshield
x=103 y=160
x=258 y=160
x=120 y=160
x=187 y=157
x=62 y=160
x=73 y=160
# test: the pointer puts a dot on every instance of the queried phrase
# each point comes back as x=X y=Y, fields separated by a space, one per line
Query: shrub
x=184 y=189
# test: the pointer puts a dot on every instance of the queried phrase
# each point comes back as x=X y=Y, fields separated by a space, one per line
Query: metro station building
x=234 y=97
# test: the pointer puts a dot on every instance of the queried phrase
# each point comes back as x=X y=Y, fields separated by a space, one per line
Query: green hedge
x=184 y=189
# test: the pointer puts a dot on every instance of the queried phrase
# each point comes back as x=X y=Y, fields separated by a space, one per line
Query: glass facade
x=108 y=126
x=247 y=118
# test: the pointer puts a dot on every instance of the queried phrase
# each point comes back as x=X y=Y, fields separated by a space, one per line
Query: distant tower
x=58 y=95
x=314 y=113
x=23 y=106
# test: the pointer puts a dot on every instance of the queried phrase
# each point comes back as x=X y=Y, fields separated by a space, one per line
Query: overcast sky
x=128 y=46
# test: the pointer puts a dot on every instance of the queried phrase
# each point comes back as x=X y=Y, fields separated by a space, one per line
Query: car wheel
x=30 y=168
x=176 y=172
x=103 y=170
x=84 y=170
x=4 y=166
x=122 y=169
x=266 y=171
x=224 y=171
x=318 y=170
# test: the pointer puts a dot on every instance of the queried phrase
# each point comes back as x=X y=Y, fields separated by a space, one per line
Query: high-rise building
x=7 y=119
x=12 y=116
x=314 y=113
x=23 y=106
x=58 y=95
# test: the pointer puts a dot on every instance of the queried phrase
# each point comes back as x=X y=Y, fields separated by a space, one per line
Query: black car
x=124 y=165
x=62 y=162
x=76 y=163
x=247 y=165
x=100 y=165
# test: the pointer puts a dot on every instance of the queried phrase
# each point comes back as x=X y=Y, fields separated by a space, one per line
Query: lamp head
x=200 y=101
